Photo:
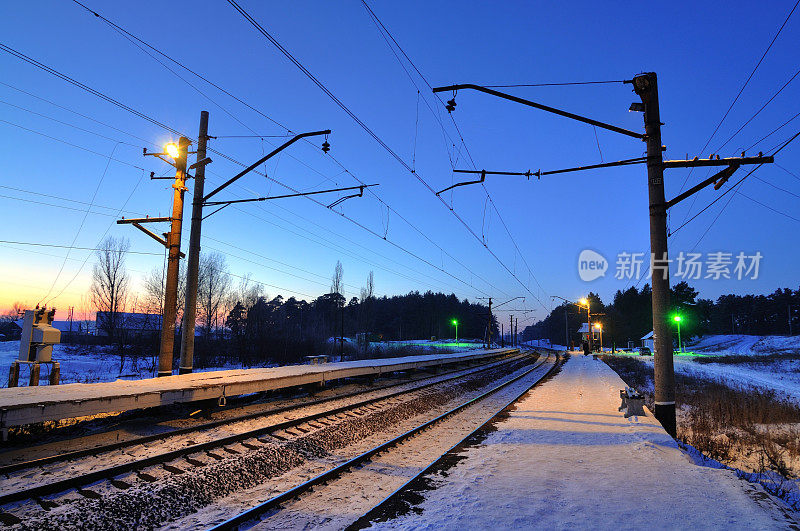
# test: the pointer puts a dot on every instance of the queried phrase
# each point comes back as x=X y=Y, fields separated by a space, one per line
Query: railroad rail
x=76 y=454
x=254 y=514
x=111 y=472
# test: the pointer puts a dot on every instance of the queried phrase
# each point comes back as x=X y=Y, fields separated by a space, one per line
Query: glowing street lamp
x=455 y=323
x=171 y=149
x=678 y=320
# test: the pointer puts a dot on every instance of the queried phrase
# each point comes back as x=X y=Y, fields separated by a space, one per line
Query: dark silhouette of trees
x=629 y=316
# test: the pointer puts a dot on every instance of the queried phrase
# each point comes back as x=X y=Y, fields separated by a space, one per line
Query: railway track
x=94 y=450
x=192 y=455
x=274 y=506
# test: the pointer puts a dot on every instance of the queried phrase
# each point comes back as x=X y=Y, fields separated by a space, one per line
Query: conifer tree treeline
x=629 y=316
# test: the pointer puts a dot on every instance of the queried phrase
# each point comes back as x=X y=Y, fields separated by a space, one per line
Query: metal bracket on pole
x=345 y=198
x=546 y=108
x=263 y=159
x=199 y=163
x=136 y=222
x=299 y=194
x=482 y=179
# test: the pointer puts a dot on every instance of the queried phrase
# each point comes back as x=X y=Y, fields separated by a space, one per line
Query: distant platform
x=30 y=405
x=566 y=458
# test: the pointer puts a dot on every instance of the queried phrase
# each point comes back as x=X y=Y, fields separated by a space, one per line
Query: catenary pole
x=173 y=262
x=193 y=258
x=646 y=87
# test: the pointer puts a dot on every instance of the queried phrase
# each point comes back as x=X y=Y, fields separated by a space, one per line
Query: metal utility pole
x=646 y=87
x=193 y=260
x=173 y=262
x=590 y=335
x=511 y=328
x=489 y=327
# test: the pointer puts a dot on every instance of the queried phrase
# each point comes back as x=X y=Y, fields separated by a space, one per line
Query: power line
x=67 y=123
x=150 y=142
x=730 y=189
x=131 y=36
x=777 y=187
x=37 y=244
x=768 y=207
x=60 y=75
x=789 y=172
x=747 y=81
x=385 y=31
x=70 y=144
x=65 y=207
x=772 y=132
x=83 y=222
x=153 y=120
x=775 y=95
x=64 y=199
x=108 y=228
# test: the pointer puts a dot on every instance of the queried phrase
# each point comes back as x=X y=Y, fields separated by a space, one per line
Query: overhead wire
x=726 y=192
x=386 y=33
x=83 y=222
x=736 y=98
x=764 y=106
x=370 y=191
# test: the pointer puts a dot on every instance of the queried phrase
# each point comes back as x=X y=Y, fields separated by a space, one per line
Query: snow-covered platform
x=28 y=405
x=565 y=458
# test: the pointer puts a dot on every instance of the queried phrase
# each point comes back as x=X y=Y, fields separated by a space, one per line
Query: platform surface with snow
x=567 y=458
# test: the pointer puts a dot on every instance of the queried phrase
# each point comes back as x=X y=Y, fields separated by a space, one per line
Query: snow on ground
x=725 y=345
x=566 y=458
x=775 y=373
x=782 y=377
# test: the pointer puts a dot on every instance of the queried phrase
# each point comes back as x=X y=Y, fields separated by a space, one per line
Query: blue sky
x=702 y=53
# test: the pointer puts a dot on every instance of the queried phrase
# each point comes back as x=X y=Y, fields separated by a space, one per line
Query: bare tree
x=337 y=284
x=248 y=292
x=110 y=283
x=213 y=288
x=14 y=312
x=369 y=291
x=154 y=291
x=337 y=289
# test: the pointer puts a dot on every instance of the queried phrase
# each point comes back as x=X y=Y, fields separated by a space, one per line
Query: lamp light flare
x=171 y=149
x=677 y=318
